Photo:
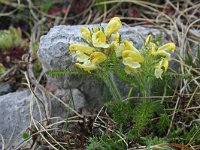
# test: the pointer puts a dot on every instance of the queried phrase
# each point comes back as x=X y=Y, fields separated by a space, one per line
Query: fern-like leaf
x=142 y=114
x=61 y=73
x=176 y=75
x=163 y=124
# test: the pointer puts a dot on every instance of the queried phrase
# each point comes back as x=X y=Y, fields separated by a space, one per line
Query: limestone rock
x=14 y=115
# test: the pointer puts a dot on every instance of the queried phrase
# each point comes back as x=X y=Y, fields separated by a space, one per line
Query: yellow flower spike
x=82 y=48
x=85 y=33
x=113 y=26
x=99 y=40
x=116 y=37
x=147 y=40
x=137 y=57
x=81 y=57
x=86 y=67
x=129 y=46
x=97 y=57
x=128 y=61
x=168 y=46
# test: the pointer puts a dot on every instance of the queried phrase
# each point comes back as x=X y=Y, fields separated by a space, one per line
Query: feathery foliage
x=62 y=73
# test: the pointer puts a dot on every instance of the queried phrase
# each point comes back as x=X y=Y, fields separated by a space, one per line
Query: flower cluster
x=99 y=43
x=131 y=57
x=160 y=55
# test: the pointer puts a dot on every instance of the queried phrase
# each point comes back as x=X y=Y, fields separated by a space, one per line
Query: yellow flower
x=116 y=37
x=82 y=48
x=81 y=57
x=131 y=57
x=99 y=40
x=163 y=53
x=168 y=46
x=85 y=33
x=97 y=57
x=113 y=26
x=91 y=62
x=165 y=64
x=86 y=66
x=162 y=50
x=158 y=72
x=129 y=46
x=135 y=56
x=159 y=68
x=118 y=48
x=131 y=63
x=152 y=50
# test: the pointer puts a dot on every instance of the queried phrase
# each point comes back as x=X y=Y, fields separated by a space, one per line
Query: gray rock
x=54 y=55
x=14 y=115
x=5 y=88
x=15 y=111
x=73 y=97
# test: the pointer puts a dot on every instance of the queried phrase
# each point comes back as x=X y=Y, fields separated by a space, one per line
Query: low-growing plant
x=10 y=38
x=105 y=55
x=106 y=142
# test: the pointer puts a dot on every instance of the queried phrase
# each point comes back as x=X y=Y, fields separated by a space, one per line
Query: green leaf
x=177 y=75
x=46 y=5
x=163 y=123
x=61 y=73
x=25 y=136
x=122 y=112
x=142 y=114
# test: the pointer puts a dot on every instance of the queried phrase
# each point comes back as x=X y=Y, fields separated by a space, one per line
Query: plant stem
x=130 y=92
x=109 y=81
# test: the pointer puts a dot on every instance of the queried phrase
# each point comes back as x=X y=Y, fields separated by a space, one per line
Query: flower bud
x=85 y=33
x=82 y=48
x=113 y=26
x=168 y=46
